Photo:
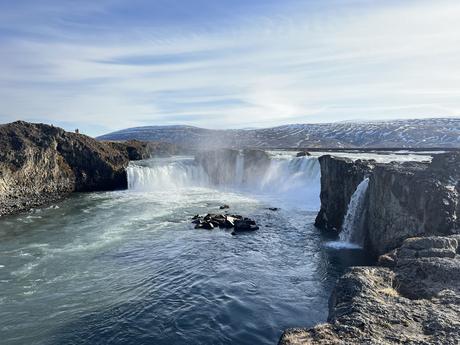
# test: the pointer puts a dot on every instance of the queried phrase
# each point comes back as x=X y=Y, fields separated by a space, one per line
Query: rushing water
x=128 y=268
x=352 y=224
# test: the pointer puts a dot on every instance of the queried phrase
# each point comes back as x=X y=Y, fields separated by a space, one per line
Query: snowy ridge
x=426 y=133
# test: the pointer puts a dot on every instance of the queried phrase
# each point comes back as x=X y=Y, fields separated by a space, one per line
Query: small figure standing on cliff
x=77 y=131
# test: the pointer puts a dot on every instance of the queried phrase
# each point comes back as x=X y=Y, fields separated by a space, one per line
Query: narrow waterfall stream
x=352 y=225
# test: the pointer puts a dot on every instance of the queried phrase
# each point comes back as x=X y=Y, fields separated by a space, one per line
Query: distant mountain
x=426 y=133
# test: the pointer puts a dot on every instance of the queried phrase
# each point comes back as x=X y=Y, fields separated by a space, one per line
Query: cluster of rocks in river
x=224 y=221
x=411 y=220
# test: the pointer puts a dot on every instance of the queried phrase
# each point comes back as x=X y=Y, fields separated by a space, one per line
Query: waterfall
x=165 y=174
x=352 y=225
x=286 y=177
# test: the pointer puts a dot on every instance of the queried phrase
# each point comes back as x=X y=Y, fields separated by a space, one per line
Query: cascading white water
x=165 y=174
x=287 y=177
x=352 y=224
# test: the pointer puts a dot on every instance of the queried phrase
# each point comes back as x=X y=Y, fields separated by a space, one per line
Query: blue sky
x=111 y=64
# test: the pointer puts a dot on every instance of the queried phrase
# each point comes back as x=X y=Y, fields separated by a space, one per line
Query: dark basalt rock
x=223 y=207
x=245 y=224
x=403 y=199
x=224 y=221
x=413 y=199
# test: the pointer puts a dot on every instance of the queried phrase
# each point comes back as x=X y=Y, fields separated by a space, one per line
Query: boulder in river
x=245 y=224
x=224 y=221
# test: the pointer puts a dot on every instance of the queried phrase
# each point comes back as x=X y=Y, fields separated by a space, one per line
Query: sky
x=111 y=64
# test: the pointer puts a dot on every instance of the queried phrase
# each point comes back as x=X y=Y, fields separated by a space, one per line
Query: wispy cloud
x=112 y=64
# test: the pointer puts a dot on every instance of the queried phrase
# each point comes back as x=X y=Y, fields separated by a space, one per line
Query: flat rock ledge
x=412 y=297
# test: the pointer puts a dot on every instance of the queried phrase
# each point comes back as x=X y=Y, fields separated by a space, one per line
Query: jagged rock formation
x=416 y=301
x=41 y=163
x=390 y=134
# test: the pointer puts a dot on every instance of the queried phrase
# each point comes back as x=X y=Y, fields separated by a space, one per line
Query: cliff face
x=407 y=200
x=339 y=179
x=41 y=163
x=403 y=199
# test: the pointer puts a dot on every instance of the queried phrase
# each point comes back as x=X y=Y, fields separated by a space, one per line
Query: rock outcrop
x=40 y=164
x=414 y=301
x=403 y=199
x=412 y=199
x=339 y=179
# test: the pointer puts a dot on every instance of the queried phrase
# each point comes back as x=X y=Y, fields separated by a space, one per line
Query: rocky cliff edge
x=40 y=164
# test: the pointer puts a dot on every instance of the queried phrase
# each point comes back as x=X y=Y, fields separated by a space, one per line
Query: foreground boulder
x=415 y=302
